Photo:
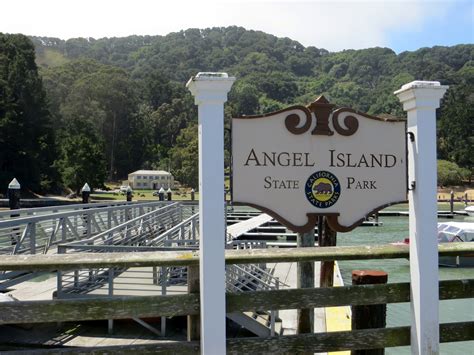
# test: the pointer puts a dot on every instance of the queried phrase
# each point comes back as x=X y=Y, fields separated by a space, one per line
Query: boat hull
x=456 y=261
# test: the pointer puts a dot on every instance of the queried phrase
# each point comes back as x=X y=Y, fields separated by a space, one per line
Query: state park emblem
x=322 y=189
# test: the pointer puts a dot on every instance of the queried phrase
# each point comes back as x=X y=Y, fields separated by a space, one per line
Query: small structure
x=150 y=179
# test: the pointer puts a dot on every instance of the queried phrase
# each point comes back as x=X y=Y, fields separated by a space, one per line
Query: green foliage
x=26 y=132
x=184 y=157
x=450 y=173
x=81 y=160
x=456 y=122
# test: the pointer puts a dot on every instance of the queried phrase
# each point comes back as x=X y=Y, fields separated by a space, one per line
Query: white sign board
x=303 y=162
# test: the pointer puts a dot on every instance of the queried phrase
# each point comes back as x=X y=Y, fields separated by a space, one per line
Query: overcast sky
x=333 y=25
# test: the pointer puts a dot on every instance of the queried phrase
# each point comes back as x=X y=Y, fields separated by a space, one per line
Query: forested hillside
x=120 y=104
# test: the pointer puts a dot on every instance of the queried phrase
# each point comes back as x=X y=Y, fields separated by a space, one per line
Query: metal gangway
x=41 y=230
x=127 y=227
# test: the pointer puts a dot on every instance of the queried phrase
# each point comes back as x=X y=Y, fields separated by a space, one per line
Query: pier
x=143 y=260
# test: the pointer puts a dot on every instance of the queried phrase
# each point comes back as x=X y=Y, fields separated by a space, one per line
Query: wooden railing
x=188 y=304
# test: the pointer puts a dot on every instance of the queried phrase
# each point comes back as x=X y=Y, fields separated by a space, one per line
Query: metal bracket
x=412 y=186
x=411 y=136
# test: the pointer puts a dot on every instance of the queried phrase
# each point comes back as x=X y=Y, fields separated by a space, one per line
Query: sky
x=334 y=25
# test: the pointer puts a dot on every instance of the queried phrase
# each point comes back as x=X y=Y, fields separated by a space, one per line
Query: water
x=396 y=229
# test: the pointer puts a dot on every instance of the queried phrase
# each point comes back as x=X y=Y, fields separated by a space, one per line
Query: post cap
x=14 y=184
x=169 y=190
x=192 y=190
x=129 y=189
x=162 y=190
x=86 y=188
x=210 y=87
x=421 y=94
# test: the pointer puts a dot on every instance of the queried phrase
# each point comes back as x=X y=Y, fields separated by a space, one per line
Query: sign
x=303 y=162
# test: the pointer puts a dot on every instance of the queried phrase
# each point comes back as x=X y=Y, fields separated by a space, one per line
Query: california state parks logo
x=322 y=189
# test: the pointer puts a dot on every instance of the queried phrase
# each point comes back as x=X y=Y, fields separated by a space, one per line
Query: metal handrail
x=34 y=211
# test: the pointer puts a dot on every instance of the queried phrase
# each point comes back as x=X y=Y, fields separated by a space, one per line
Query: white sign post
x=421 y=99
x=210 y=92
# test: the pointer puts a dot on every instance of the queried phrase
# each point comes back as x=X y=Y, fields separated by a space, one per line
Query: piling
x=369 y=317
x=14 y=204
x=193 y=287
x=85 y=193
x=192 y=194
x=451 y=202
x=169 y=194
x=161 y=194
x=305 y=279
x=14 y=194
x=326 y=238
x=129 y=194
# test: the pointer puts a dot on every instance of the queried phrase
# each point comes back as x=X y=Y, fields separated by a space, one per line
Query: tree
x=82 y=160
x=456 y=122
x=26 y=134
x=184 y=157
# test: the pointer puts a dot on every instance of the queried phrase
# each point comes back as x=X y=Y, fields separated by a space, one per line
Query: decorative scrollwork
x=292 y=121
x=351 y=122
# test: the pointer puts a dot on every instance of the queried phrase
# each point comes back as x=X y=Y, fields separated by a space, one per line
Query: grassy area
x=51 y=58
x=141 y=195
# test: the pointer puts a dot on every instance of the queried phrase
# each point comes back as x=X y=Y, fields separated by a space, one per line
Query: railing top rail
x=72 y=206
x=38 y=218
x=243 y=256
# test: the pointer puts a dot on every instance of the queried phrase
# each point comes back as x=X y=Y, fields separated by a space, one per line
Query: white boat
x=456 y=232
x=470 y=210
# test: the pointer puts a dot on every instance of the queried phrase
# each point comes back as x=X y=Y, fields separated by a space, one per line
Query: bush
x=450 y=173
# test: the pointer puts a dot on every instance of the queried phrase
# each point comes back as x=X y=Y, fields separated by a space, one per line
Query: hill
x=124 y=98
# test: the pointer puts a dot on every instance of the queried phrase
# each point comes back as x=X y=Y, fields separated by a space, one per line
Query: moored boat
x=470 y=210
x=452 y=232
x=456 y=232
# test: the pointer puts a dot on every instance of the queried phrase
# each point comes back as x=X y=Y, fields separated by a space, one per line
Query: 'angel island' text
x=336 y=159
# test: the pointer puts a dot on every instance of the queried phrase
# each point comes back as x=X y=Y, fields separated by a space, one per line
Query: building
x=150 y=180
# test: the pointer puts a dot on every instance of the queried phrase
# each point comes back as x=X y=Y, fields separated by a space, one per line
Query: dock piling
x=369 y=317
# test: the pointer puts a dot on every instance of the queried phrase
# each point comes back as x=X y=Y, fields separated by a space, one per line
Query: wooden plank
x=291 y=344
x=243 y=256
x=98 y=308
x=175 y=305
x=337 y=341
x=243 y=227
x=340 y=296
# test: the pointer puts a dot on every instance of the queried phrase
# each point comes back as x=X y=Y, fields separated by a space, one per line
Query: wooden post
x=421 y=99
x=193 y=287
x=305 y=279
x=368 y=317
x=210 y=92
x=192 y=194
x=85 y=192
x=327 y=238
x=451 y=202
x=169 y=193
x=161 y=194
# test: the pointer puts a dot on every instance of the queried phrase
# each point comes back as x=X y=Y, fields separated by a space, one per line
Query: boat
x=469 y=210
x=452 y=232
x=456 y=232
